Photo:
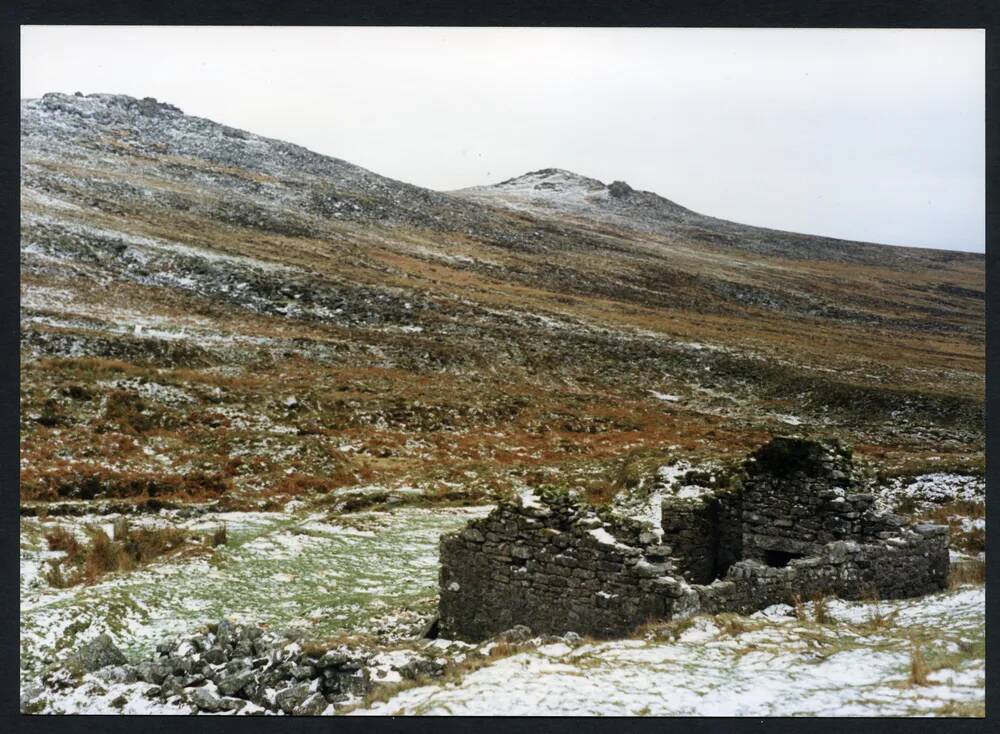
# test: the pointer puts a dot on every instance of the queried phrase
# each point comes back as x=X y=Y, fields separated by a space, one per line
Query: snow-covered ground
x=782 y=668
x=928 y=490
x=549 y=188
x=286 y=570
x=298 y=570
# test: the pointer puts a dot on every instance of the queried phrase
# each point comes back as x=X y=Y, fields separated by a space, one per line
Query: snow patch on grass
x=928 y=490
x=277 y=569
x=785 y=668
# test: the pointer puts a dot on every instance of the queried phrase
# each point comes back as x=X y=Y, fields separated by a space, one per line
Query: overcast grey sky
x=872 y=135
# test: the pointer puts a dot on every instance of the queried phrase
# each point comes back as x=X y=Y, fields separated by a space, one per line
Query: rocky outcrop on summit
x=555 y=191
x=559 y=191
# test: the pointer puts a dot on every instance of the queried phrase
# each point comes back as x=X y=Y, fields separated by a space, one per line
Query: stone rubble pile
x=228 y=668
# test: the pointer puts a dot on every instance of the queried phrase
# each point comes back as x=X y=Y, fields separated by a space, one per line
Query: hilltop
x=192 y=292
x=556 y=192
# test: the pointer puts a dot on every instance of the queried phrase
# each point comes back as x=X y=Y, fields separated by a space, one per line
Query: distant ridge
x=57 y=124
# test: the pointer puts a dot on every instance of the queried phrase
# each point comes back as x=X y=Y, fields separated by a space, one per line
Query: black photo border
x=580 y=13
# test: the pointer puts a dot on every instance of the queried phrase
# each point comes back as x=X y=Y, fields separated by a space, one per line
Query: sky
x=875 y=135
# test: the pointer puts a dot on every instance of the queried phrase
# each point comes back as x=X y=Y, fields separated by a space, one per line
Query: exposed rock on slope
x=268 y=184
x=161 y=248
x=563 y=192
x=554 y=191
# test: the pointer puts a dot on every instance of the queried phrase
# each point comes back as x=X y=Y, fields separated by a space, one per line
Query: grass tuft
x=127 y=550
x=54 y=576
x=104 y=556
x=61 y=539
x=878 y=620
x=918 y=666
x=967 y=571
x=658 y=629
x=800 y=608
x=120 y=529
x=821 y=609
x=735 y=625
x=505 y=649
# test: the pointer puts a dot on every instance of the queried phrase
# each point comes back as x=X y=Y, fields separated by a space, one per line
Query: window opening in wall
x=779 y=559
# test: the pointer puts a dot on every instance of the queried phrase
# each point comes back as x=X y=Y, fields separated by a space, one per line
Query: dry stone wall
x=915 y=563
x=798 y=497
x=705 y=534
x=553 y=566
x=797 y=526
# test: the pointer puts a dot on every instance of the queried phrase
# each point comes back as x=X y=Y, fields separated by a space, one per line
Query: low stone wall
x=915 y=563
x=553 y=566
x=799 y=529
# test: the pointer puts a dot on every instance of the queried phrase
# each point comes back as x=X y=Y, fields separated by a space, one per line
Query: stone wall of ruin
x=560 y=569
x=800 y=529
x=915 y=563
x=554 y=568
x=798 y=496
x=705 y=534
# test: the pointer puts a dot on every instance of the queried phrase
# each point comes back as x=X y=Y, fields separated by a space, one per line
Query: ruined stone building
x=796 y=524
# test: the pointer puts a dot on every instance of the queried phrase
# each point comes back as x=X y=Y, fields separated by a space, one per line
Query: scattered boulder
x=290 y=698
x=204 y=700
x=171 y=687
x=233 y=683
x=153 y=672
x=97 y=653
x=572 y=639
x=226 y=633
x=314 y=705
x=419 y=667
x=214 y=656
x=302 y=672
x=117 y=674
x=333 y=659
x=227 y=703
